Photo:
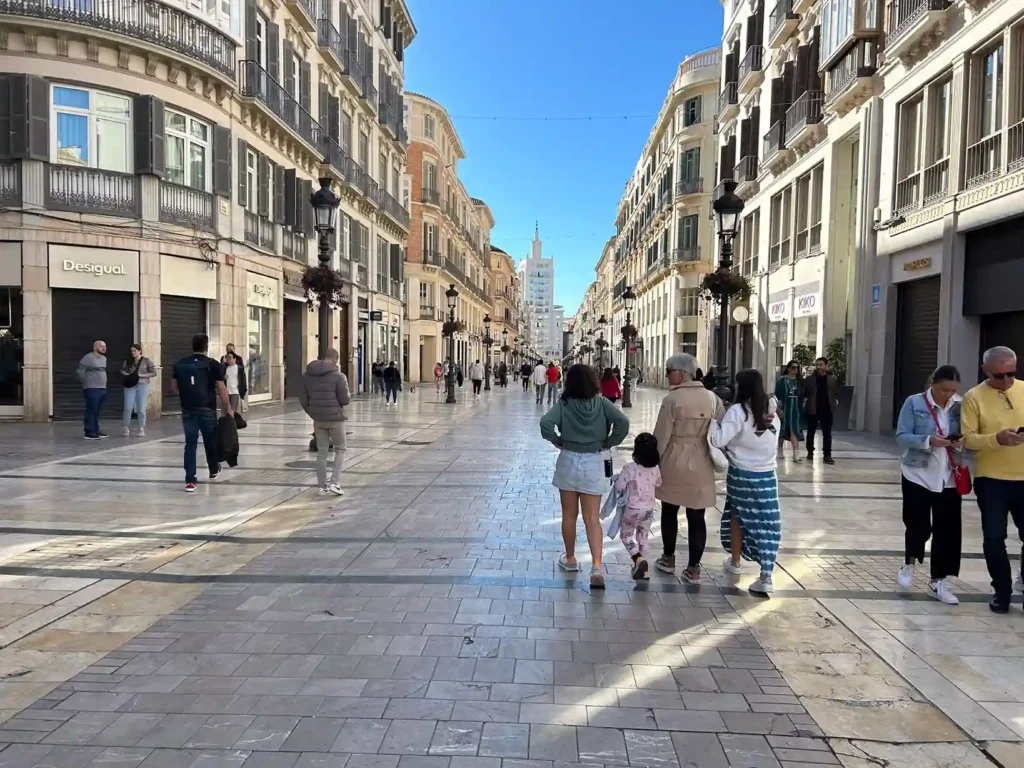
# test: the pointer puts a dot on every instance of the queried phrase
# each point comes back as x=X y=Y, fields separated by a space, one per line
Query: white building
x=537 y=276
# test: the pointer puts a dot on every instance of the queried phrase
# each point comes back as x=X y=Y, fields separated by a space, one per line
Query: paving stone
x=219 y=731
x=313 y=734
x=505 y=740
x=361 y=736
x=752 y=751
x=650 y=749
x=456 y=738
x=553 y=742
x=553 y=714
x=605 y=746
x=408 y=737
x=699 y=750
x=267 y=732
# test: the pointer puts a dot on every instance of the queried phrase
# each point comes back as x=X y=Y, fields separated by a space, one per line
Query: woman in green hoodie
x=582 y=424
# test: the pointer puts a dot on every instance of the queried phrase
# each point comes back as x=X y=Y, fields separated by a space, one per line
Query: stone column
x=35 y=294
x=149 y=316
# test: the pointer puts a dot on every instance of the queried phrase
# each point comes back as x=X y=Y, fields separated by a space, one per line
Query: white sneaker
x=1018 y=583
x=335 y=489
x=321 y=491
x=732 y=567
x=905 y=578
x=943 y=592
x=763 y=586
x=142 y=431
x=126 y=432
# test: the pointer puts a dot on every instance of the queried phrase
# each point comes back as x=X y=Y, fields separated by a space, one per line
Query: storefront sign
x=916 y=264
x=364 y=315
x=777 y=310
x=876 y=295
x=187 y=277
x=376 y=315
x=293 y=284
x=262 y=291
x=98 y=269
x=804 y=306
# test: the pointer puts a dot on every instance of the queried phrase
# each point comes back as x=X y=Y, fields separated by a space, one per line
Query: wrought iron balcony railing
x=91 y=190
x=689 y=187
x=187 y=206
x=10 y=183
x=805 y=111
x=256 y=83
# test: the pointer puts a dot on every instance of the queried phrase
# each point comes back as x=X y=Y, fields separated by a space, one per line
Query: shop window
x=259 y=351
x=777 y=343
x=188 y=151
x=12 y=337
x=805 y=331
x=808 y=213
x=689 y=344
x=93 y=129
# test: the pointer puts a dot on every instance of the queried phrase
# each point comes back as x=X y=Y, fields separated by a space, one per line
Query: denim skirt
x=580 y=473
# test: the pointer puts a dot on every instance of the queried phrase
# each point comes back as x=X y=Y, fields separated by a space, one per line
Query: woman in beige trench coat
x=687 y=474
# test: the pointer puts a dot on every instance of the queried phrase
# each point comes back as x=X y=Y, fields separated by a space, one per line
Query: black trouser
x=996 y=499
x=477 y=383
x=526 y=383
x=824 y=420
x=697 y=531
x=927 y=513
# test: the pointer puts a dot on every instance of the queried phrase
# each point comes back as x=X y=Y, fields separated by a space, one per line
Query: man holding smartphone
x=992 y=419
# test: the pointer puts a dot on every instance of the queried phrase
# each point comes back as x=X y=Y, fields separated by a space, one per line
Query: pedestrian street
x=420 y=621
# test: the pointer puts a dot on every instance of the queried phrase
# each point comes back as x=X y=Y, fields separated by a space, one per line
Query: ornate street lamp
x=728 y=208
x=628 y=334
x=325 y=209
x=601 y=321
x=452 y=296
x=504 y=347
x=487 y=345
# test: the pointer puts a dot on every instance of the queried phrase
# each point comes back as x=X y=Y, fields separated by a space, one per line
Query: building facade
x=449 y=245
x=155 y=173
x=664 y=241
x=505 y=310
x=537 y=273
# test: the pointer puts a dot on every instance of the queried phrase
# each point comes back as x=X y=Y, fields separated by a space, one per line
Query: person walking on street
x=503 y=374
x=992 y=420
x=928 y=434
x=92 y=372
x=476 y=375
x=751 y=522
x=820 y=397
x=438 y=376
x=638 y=480
x=553 y=377
x=198 y=381
x=458 y=375
x=687 y=474
x=323 y=397
x=610 y=387
x=234 y=379
x=788 y=391
x=391 y=378
x=377 y=372
x=137 y=371
x=526 y=373
x=582 y=425
x=540 y=380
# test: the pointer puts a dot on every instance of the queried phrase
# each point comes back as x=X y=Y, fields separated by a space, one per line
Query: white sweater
x=737 y=436
x=476 y=372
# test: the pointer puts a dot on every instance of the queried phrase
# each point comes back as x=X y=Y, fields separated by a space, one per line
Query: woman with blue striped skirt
x=751 y=525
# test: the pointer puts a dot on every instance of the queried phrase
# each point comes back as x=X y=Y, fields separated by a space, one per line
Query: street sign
x=377 y=315
x=876 y=296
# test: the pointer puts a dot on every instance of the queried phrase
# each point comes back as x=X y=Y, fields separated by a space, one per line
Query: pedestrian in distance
x=377 y=373
x=638 y=480
x=618 y=374
x=503 y=374
x=687 y=472
x=323 y=396
x=820 y=399
x=476 y=375
x=526 y=373
x=610 y=387
x=392 y=380
x=459 y=378
x=540 y=380
x=92 y=372
x=438 y=376
x=137 y=371
x=992 y=419
x=788 y=392
x=553 y=377
x=198 y=382
x=751 y=525
x=929 y=436
x=584 y=427
x=234 y=379
x=243 y=380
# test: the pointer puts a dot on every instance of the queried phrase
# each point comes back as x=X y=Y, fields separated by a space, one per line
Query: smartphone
x=1020 y=430
x=954 y=438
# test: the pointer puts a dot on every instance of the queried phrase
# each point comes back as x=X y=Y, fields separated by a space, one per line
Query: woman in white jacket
x=751 y=523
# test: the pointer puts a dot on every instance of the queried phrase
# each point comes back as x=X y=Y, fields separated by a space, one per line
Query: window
x=689 y=302
x=346 y=132
x=940 y=95
x=689 y=344
x=382 y=170
x=251 y=180
x=293 y=87
x=991 y=93
x=188 y=151
x=837 y=25
x=364 y=151
x=345 y=225
x=688 y=234
x=689 y=165
x=93 y=129
x=750 y=234
x=261 y=40
x=429 y=127
x=781 y=205
x=430 y=176
x=691 y=111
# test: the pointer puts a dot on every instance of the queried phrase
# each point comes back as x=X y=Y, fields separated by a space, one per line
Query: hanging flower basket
x=601 y=343
x=724 y=283
x=628 y=332
x=321 y=283
x=452 y=327
x=506 y=348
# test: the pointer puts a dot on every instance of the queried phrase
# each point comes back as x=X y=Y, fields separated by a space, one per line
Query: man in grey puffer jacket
x=323 y=395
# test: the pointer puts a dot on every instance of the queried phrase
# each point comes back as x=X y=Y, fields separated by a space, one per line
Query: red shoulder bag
x=961 y=473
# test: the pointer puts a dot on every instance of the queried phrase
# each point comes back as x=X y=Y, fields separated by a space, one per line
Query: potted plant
x=322 y=283
x=451 y=327
x=724 y=283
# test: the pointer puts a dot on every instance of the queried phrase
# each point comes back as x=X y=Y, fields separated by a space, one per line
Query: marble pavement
x=421 y=621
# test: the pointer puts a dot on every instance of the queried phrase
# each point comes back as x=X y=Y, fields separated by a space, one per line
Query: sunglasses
x=1007 y=375
x=670 y=371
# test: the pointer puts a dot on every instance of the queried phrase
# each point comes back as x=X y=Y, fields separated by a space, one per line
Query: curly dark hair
x=580 y=383
x=645 y=450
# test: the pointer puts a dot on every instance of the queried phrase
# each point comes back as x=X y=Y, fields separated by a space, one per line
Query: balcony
x=354 y=69
x=431 y=196
x=266 y=228
x=908 y=194
x=688 y=253
x=304 y=12
x=745 y=176
x=332 y=43
x=356 y=176
x=188 y=207
x=394 y=210
x=913 y=24
x=433 y=258
x=336 y=157
x=1015 y=147
x=427 y=313
x=984 y=160
x=776 y=154
x=152 y=22
x=387 y=118
x=936 y=182
x=848 y=83
x=251 y=228
x=266 y=92
x=728 y=103
x=782 y=23
x=91 y=190
x=370 y=95
x=751 y=70
x=803 y=120
x=372 y=191
x=803 y=6
x=10 y=184
x=688 y=187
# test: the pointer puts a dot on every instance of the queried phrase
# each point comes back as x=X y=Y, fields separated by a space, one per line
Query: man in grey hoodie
x=323 y=395
x=92 y=372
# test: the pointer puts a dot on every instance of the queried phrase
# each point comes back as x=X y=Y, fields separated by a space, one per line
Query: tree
x=803 y=355
x=836 y=354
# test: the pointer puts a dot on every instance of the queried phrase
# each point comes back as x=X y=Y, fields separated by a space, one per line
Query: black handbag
x=132 y=379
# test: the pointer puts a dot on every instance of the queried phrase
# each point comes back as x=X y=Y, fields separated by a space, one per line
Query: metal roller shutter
x=79 y=319
x=181 y=318
x=917 y=337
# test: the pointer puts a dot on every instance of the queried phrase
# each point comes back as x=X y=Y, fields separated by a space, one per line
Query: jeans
x=135 y=399
x=697 y=535
x=195 y=422
x=926 y=513
x=526 y=383
x=390 y=391
x=235 y=401
x=552 y=392
x=540 y=392
x=94 y=399
x=477 y=383
x=824 y=420
x=996 y=498
x=326 y=434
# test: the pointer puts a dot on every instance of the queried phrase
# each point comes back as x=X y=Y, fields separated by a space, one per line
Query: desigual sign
x=262 y=290
x=96 y=269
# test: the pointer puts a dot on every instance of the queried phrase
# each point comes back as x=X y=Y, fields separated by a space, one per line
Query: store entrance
x=294 y=364
x=917 y=338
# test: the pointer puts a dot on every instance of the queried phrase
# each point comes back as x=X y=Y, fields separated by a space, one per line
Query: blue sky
x=553 y=58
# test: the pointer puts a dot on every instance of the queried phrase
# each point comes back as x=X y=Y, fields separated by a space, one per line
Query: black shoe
x=999 y=606
x=102 y=435
x=810 y=455
x=92 y=437
x=829 y=460
x=640 y=570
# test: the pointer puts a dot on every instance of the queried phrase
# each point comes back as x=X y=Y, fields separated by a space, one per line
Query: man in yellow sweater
x=992 y=420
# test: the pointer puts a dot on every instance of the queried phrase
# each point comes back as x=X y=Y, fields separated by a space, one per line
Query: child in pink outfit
x=638 y=479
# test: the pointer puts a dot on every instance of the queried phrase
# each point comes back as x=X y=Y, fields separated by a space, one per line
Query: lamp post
x=728 y=208
x=629 y=332
x=325 y=208
x=601 y=321
x=452 y=296
x=487 y=345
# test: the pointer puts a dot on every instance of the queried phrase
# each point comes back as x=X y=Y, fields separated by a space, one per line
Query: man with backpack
x=198 y=381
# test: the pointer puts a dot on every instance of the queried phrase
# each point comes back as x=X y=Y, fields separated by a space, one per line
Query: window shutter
x=289 y=198
x=5 y=117
x=353 y=42
x=243 y=189
x=222 y=161
x=324 y=105
x=815 y=60
x=399 y=45
x=333 y=128
x=39 y=120
x=387 y=21
x=396 y=261
x=273 y=50
x=778 y=107
x=304 y=86
x=26 y=112
x=343 y=21
x=148 y=121
x=19 y=115
x=308 y=220
x=755 y=128
x=279 y=196
x=789 y=77
x=300 y=203
x=289 y=68
x=263 y=185
x=252 y=50
x=803 y=60
x=353 y=240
